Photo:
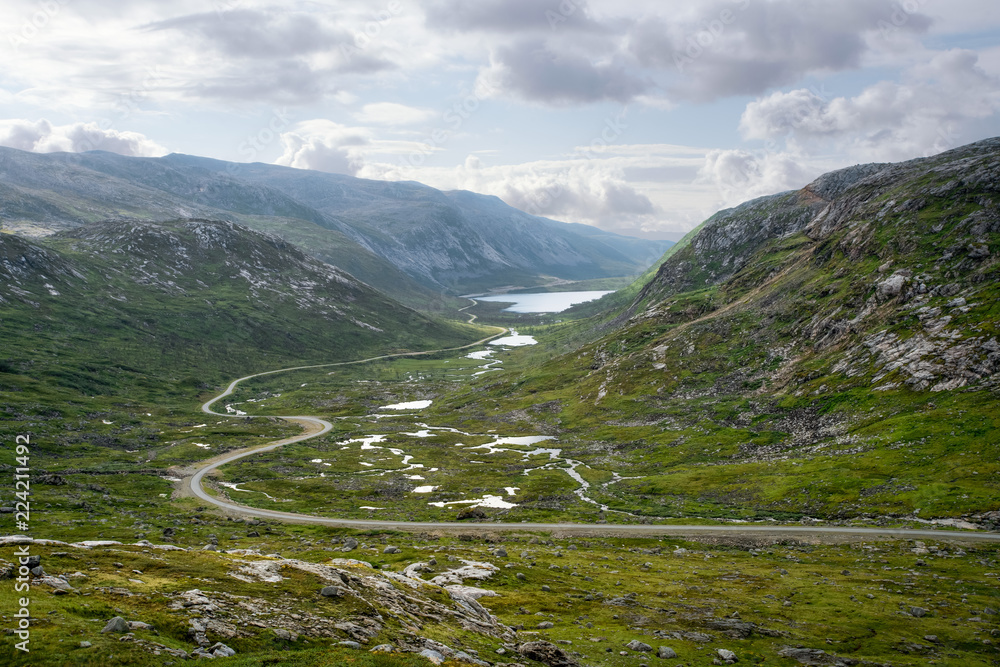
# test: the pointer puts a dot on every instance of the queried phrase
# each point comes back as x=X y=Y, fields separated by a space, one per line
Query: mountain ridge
x=455 y=242
x=826 y=356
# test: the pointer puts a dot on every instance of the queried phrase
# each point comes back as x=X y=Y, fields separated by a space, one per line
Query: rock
x=979 y=251
x=85 y=644
x=217 y=650
x=116 y=624
x=349 y=644
x=891 y=287
x=546 y=588
x=545 y=625
x=281 y=633
x=33 y=562
x=350 y=544
x=220 y=650
x=520 y=576
x=726 y=656
x=500 y=553
x=666 y=653
x=931 y=638
x=471 y=513
x=391 y=550
x=465 y=657
x=383 y=648
x=435 y=657
x=732 y=628
x=60 y=585
x=332 y=592
x=546 y=653
x=636 y=645
x=139 y=625
x=37 y=571
x=918 y=612
x=815 y=657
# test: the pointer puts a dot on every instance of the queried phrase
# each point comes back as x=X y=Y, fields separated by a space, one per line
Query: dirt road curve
x=314 y=427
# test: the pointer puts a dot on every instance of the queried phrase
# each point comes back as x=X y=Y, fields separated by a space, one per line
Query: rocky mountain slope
x=379 y=231
x=829 y=351
x=108 y=301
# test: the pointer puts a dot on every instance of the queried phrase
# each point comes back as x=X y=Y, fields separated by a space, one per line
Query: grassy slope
x=115 y=321
x=729 y=401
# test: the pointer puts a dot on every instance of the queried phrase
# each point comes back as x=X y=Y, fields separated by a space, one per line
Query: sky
x=641 y=117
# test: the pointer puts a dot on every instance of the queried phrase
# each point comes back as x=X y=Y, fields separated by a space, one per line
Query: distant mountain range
x=406 y=239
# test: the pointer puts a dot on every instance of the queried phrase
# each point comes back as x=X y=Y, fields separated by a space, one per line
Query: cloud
x=390 y=113
x=291 y=57
x=531 y=70
x=258 y=34
x=324 y=146
x=722 y=49
x=43 y=137
x=511 y=16
x=580 y=190
x=925 y=113
x=740 y=175
x=696 y=52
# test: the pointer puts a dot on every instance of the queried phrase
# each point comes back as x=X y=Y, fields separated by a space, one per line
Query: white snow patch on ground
x=412 y=405
x=366 y=507
x=512 y=490
x=424 y=489
x=495 y=502
x=480 y=355
x=202 y=445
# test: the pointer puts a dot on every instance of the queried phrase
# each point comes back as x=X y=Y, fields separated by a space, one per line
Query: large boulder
x=547 y=653
x=116 y=624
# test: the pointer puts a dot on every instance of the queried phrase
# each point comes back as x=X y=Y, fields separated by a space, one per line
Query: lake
x=545 y=302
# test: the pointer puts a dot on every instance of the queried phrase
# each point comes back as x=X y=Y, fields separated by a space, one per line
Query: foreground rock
x=547 y=653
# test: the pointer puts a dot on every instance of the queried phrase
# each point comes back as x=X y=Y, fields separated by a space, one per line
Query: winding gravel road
x=315 y=427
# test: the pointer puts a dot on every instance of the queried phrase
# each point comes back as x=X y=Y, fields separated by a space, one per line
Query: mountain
x=831 y=351
x=113 y=303
x=406 y=238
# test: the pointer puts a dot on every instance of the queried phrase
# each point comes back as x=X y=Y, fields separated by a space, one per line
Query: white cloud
x=324 y=146
x=740 y=175
x=635 y=189
x=925 y=113
x=41 y=136
x=390 y=113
